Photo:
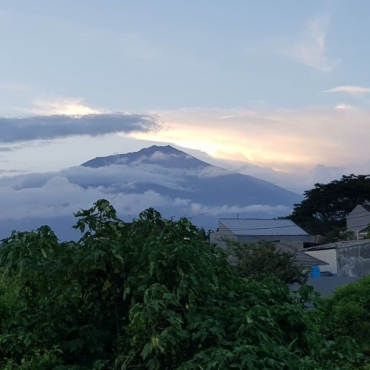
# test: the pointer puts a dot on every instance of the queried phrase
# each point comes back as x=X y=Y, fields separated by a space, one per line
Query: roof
x=302 y=259
x=261 y=227
x=340 y=244
x=366 y=207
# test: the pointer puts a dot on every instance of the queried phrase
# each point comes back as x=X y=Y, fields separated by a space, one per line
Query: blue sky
x=283 y=85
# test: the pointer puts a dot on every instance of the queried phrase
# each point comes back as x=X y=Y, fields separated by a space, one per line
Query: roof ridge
x=253 y=218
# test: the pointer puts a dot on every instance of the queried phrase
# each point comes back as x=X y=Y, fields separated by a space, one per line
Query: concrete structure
x=358 y=220
x=248 y=230
x=347 y=258
x=329 y=255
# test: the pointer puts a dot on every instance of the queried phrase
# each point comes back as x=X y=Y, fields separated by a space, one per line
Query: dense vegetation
x=151 y=295
x=324 y=208
x=350 y=312
x=262 y=260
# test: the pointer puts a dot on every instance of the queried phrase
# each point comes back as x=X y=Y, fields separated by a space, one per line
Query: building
x=250 y=230
x=301 y=258
x=359 y=219
x=345 y=258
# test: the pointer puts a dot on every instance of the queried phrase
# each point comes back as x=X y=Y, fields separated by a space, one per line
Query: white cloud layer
x=352 y=90
x=294 y=140
x=59 y=194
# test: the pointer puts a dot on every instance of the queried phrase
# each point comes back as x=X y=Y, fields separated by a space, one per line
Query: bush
x=151 y=295
x=262 y=260
x=350 y=311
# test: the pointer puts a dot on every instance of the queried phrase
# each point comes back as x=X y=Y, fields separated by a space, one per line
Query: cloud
x=131 y=188
x=311 y=48
x=293 y=140
x=59 y=197
x=344 y=106
x=63 y=106
x=352 y=90
x=61 y=126
x=5 y=149
x=234 y=210
x=209 y=172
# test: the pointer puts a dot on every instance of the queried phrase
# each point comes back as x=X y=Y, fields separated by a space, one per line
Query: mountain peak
x=167 y=149
x=166 y=156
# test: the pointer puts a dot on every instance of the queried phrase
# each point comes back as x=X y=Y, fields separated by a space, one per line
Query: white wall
x=326 y=255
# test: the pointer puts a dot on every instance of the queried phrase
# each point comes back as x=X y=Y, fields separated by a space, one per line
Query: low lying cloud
x=130 y=188
x=5 y=149
x=14 y=130
x=269 y=211
x=59 y=197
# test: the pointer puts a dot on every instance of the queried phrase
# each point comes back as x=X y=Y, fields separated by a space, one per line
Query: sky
x=278 y=88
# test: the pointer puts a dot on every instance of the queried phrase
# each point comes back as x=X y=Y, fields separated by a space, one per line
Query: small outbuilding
x=345 y=258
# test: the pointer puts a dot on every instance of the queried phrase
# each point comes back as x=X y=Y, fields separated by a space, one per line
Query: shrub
x=149 y=296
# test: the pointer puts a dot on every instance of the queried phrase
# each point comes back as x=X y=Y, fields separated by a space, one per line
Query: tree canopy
x=150 y=295
x=263 y=260
x=325 y=207
x=350 y=311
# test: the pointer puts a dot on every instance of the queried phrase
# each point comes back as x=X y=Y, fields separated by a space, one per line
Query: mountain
x=161 y=155
x=168 y=179
x=200 y=182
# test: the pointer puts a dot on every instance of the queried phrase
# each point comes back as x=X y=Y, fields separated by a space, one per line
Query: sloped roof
x=366 y=207
x=302 y=259
x=261 y=227
x=341 y=244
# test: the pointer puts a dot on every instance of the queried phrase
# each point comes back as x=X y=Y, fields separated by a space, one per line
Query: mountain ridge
x=167 y=179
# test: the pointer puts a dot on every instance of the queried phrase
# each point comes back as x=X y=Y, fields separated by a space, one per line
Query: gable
x=359 y=210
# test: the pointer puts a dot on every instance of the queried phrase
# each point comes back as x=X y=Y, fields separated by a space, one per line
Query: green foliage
x=326 y=205
x=337 y=235
x=350 y=311
x=262 y=260
x=151 y=295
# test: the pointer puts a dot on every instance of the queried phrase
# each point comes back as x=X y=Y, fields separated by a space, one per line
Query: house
x=345 y=258
x=301 y=258
x=250 y=230
x=359 y=219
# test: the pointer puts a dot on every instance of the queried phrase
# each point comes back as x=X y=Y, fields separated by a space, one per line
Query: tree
x=337 y=235
x=325 y=207
x=151 y=295
x=202 y=234
x=350 y=311
x=263 y=260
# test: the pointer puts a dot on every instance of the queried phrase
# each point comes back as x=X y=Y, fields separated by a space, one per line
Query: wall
x=224 y=230
x=327 y=255
x=354 y=258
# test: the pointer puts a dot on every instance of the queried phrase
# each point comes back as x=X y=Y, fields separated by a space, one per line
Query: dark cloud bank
x=14 y=130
